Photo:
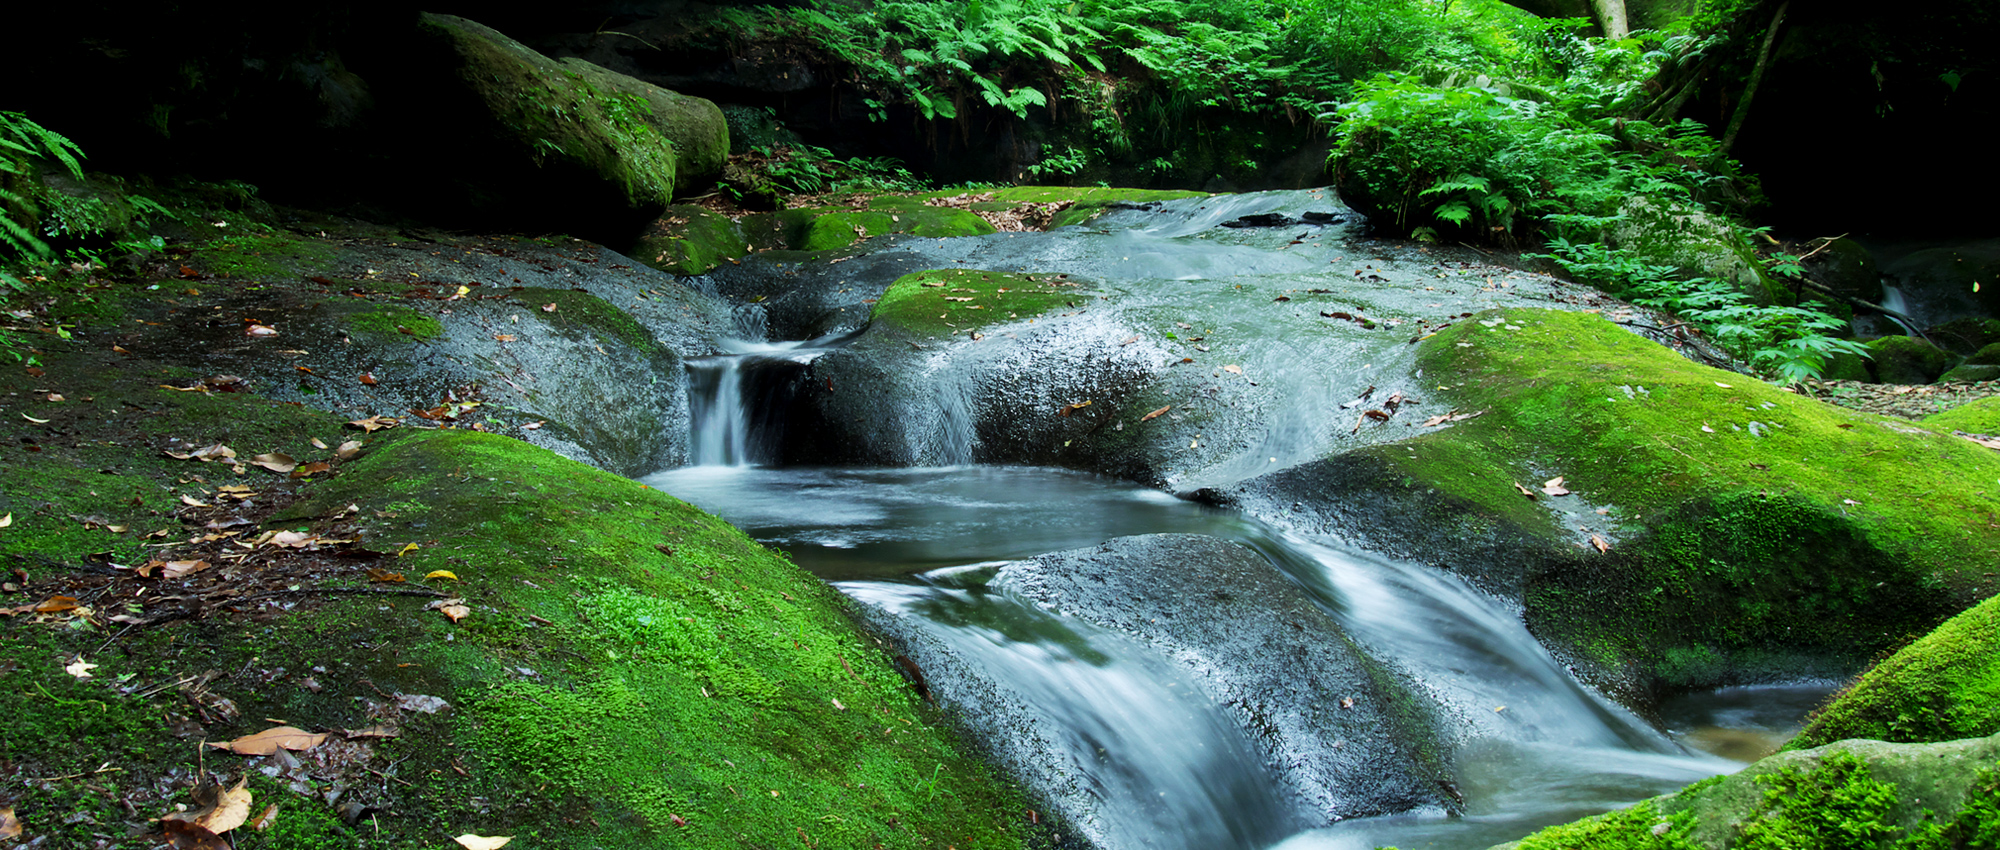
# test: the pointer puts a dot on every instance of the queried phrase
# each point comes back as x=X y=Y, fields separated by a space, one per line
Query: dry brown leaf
x=7 y=520
x=1524 y=491
x=276 y=462
x=1233 y=369
x=192 y=502
x=260 y=330
x=1597 y=542
x=455 y=613
x=1156 y=414
x=476 y=842
x=1554 y=487
x=374 y=423
x=317 y=444
x=376 y=731
x=232 y=808
x=270 y=740
x=263 y=821
x=292 y=539
x=1437 y=420
x=177 y=569
x=384 y=575
x=348 y=449
x=9 y=827
x=314 y=468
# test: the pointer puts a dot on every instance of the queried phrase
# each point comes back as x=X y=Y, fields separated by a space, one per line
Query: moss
x=1981 y=416
x=396 y=322
x=1087 y=202
x=559 y=114
x=840 y=229
x=707 y=679
x=939 y=303
x=690 y=240
x=1625 y=829
x=265 y=255
x=589 y=312
x=1796 y=518
x=1906 y=360
x=1943 y=687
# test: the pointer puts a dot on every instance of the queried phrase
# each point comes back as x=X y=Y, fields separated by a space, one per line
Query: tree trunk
x=1611 y=17
x=1756 y=75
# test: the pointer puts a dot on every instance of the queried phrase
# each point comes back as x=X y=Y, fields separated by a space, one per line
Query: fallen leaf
x=1724 y=386
x=476 y=842
x=455 y=613
x=1233 y=369
x=1072 y=408
x=177 y=569
x=9 y=827
x=548 y=308
x=374 y=423
x=1598 y=543
x=1524 y=491
x=444 y=574
x=461 y=293
x=263 y=821
x=383 y=575
x=376 y=731
x=348 y=449
x=6 y=520
x=1377 y=415
x=80 y=668
x=192 y=502
x=313 y=468
x=231 y=809
x=271 y=740
x=1554 y=487
x=260 y=330
x=1128 y=340
x=407 y=549
x=317 y=444
x=34 y=420
x=1156 y=414
x=504 y=337
x=276 y=462
x=291 y=539
x=367 y=380
x=56 y=605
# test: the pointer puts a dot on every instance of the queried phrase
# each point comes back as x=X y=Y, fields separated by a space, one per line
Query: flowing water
x=1115 y=731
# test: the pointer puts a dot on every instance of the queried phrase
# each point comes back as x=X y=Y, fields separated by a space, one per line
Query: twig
x=1823 y=245
x=106 y=768
x=1481 y=253
x=385 y=776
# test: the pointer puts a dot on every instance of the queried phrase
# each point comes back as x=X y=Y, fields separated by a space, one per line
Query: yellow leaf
x=476 y=842
x=6 y=520
x=231 y=810
x=407 y=549
x=441 y=574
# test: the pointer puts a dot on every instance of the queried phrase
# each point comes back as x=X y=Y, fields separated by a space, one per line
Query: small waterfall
x=737 y=401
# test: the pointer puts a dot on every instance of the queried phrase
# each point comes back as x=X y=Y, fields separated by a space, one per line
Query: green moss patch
x=1943 y=687
x=1858 y=794
x=1977 y=417
x=691 y=240
x=1086 y=202
x=264 y=255
x=843 y=228
x=942 y=302
x=395 y=322
x=1744 y=523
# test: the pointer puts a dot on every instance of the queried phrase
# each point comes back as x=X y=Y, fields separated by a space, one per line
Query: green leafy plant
x=1790 y=343
x=22 y=141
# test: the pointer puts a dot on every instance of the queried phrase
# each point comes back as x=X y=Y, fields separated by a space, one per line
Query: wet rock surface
x=1337 y=726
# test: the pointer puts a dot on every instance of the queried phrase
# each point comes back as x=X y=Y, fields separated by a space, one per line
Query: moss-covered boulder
x=1847 y=268
x=1943 y=687
x=1970 y=373
x=1716 y=529
x=690 y=240
x=518 y=139
x=488 y=639
x=1848 y=794
x=1083 y=203
x=1907 y=360
x=1685 y=237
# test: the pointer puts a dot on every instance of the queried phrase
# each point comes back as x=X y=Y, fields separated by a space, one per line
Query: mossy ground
x=1748 y=524
x=943 y=302
x=1087 y=202
x=1978 y=417
x=690 y=240
x=1943 y=687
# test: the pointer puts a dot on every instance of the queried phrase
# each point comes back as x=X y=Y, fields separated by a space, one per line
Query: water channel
x=1128 y=739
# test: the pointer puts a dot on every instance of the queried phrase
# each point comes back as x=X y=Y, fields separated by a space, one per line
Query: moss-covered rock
x=690 y=240
x=1846 y=366
x=1943 y=687
x=1967 y=336
x=946 y=302
x=1730 y=531
x=1970 y=373
x=888 y=214
x=543 y=144
x=1981 y=416
x=1086 y=202
x=1907 y=360
x=1687 y=238
x=1845 y=795
x=1847 y=268
x=626 y=672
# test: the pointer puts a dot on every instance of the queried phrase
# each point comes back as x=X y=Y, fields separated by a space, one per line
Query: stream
x=1128 y=737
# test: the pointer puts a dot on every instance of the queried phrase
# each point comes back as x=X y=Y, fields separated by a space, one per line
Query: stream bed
x=1127 y=739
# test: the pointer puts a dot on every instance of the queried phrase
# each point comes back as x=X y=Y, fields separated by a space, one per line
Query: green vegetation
x=396 y=322
x=1943 y=687
x=22 y=142
x=946 y=302
x=1752 y=525
x=1981 y=416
